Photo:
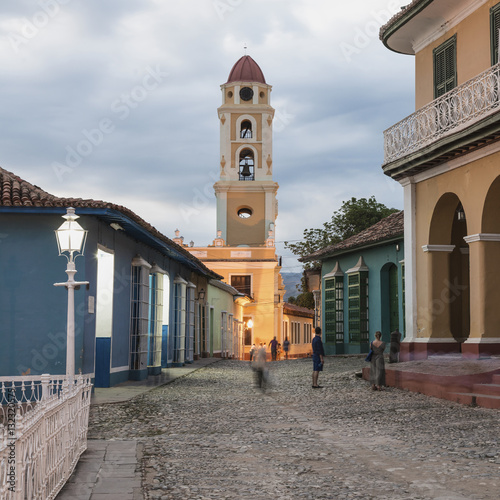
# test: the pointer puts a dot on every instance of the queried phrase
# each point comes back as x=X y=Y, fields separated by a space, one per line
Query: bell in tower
x=246 y=166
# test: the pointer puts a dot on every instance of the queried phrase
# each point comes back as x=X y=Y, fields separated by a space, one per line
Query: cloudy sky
x=117 y=100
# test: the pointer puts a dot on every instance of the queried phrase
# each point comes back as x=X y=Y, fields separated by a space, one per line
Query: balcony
x=454 y=124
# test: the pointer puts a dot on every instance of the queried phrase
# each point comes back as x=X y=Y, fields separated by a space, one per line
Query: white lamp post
x=70 y=240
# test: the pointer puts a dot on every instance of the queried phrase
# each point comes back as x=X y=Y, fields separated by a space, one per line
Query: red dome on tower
x=246 y=70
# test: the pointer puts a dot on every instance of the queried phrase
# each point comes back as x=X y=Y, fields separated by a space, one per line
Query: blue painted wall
x=33 y=312
x=378 y=260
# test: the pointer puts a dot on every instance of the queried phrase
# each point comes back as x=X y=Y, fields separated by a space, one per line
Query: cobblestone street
x=213 y=435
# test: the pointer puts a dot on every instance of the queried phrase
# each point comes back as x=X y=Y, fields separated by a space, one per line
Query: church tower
x=246 y=192
x=243 y=251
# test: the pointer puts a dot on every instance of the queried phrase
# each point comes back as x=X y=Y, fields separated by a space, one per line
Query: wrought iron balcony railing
x=457 y=109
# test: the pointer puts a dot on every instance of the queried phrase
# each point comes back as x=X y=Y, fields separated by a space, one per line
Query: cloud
x=87 y=61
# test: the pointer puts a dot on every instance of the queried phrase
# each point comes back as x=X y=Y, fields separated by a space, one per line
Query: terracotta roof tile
x=404 y=10
x=388 y=228
x=246 y=70
x=16 y=192
x=293 y=309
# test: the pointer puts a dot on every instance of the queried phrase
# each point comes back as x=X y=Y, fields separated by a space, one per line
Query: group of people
x=275 y=349
x=258 y=358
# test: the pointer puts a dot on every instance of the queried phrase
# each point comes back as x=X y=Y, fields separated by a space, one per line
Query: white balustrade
x=43 y=432
x=450 y=113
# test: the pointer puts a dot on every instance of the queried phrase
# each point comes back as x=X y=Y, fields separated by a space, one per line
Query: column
x=484 y=338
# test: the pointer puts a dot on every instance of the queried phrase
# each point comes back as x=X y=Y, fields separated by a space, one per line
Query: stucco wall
x=377 y=259
x=473 y=53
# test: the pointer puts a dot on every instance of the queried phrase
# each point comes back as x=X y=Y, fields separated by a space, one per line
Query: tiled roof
x=246 y=70
x=16 y=192
x=386 y=229
x=294 y=310
x=399 y=15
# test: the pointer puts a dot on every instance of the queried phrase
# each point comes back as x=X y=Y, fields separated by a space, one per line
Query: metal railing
x=453 y=111
x=43 y=432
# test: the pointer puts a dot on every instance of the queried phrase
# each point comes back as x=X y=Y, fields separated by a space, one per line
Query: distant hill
x=291 y=280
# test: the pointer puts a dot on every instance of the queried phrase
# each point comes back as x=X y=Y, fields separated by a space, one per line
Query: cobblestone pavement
x=213 y=435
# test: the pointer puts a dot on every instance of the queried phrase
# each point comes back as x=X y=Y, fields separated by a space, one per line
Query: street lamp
x=70 y=240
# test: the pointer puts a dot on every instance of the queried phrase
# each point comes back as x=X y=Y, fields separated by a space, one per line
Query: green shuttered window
x=334 y=310
x=445 y=67
x=358 y=307
x=494 y=28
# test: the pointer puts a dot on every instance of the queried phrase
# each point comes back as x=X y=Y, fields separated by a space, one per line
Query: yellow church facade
x=446 y=156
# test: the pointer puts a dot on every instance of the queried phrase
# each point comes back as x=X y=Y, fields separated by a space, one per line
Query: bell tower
x=246 y=192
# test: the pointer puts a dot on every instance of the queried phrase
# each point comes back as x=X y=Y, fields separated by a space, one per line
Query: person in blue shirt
x=318 y=357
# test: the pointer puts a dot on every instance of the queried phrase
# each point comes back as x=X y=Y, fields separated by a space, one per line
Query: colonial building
x=446 y=155
x=149 y=303
x=243 y=251
x=362 y=286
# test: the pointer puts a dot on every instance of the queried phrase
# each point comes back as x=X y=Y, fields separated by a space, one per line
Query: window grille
x=190 y=322
x=156 y=319
x=179 y=320
x=334 y=310
x=139 y=318
x=358 y=307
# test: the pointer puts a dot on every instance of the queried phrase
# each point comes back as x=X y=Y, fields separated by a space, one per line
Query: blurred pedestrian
x=377 y=366
x=259 y=367
x=317 y=356
x=252 y=352
x=286 y=347
x=395 y=346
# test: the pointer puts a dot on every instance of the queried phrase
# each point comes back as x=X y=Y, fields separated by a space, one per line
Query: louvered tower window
x=445 y=67
x=494 y=28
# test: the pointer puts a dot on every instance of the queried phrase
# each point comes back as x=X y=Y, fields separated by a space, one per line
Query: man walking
x=318 y=357
x=274 y=348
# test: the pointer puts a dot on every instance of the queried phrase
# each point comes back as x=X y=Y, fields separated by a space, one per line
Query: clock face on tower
x=246 y=93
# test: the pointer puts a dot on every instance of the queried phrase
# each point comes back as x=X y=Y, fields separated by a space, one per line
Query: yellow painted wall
x=470 y=183
x=303 y=348
x=251 y=231
x=473 y=53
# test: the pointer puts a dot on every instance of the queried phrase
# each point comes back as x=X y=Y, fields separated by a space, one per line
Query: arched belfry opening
x=246 y=129
x=448 y=271
x=247 y=165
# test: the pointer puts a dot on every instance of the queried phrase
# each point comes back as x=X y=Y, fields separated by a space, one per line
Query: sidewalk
x=128 y=390
x=110 y=470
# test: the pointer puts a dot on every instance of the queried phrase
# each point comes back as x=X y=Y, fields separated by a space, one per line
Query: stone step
x=486 y=389
x=496 y=379
x=471 y=398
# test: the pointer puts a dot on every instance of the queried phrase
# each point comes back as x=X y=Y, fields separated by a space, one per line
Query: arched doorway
x=448 y=271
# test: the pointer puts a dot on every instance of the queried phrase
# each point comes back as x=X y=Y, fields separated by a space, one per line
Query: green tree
x=353 y=217
x=305 y=299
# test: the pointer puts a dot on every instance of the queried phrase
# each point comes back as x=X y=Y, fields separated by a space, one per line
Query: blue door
x=102 y=361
